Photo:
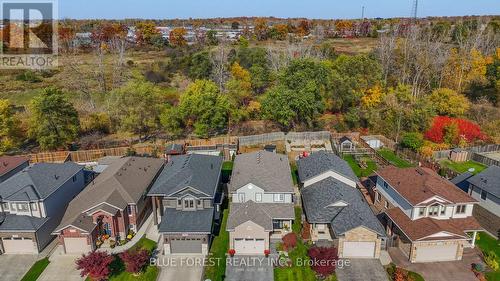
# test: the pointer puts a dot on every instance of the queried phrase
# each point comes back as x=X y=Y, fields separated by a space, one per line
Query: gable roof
x=267 y=170
x=320 y=162
x=259 y=213
x=38 y=181
x=319 y=206
x=197 y=171
x=199 y=221
x=9 y=163
x=462 y=177
x=419 y=184
x=488 y=180
x=344 y=139
x=124 y=182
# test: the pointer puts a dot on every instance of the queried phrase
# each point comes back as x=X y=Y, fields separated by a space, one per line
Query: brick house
x=113 y=204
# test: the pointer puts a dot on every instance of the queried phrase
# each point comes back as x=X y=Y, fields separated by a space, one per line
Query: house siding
x=492 y=203
x=488 y=220
x=250 y=190
x=394 y=198
x=58 y=200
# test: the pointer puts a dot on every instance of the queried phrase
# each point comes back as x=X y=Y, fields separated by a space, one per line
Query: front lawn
x=371 y=166
x=462 y=167
x=395 y=160
x=218 y=252
x=150 y=274
x=487 y=243
x=296 y=272
x=412 y=275
x=35 y=270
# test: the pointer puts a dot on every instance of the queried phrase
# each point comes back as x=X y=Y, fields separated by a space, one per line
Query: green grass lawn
x=358 y=171
x=462 y=167
x=303 y=273
x=295 y=173
x=227 y=169
x=297 y=223
x=218 y=251
x=35 y=270
x=487 y=243
x=395 y=160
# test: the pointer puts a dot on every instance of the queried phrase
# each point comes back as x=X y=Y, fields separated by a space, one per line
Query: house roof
x=197 y=171
x=124 y=182
x=199 y=221
x=462 y=177
x=9 y=163
x=267 y=170
x=21 y=223
x=320 y=162
x=422 y=229
x=174 y=148
x=419 y=184
x=319 y=197
x=344 y=139
x=488 y=180
x=259 y=213
x=37 y=182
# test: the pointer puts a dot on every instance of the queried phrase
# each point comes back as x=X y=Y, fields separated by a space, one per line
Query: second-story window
x=483 y=195
x=421 y=211
x=5 y=206
x=279 y=197
x=460 y=209
x=23 y=207
x=241 y=197
x=258 y=197
x=130 y=209
x=34 y=206
x=434 y=210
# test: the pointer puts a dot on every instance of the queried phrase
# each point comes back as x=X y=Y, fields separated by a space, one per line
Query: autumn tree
x=448 y=102
x=134 y=260
x=95 y=265
x=212 y=38
x=10 y=127
x=54 y=121
x=146 y=31
x=279 y=32
x=372 y=97
x=323 y=260
x=177 y=37
x=261 y=29
x=303 y=28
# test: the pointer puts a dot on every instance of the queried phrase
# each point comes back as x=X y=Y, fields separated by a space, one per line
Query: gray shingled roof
x=22 y=223
x=200 y=172
x=174 y=148
x=460 y=178
x=267 y=170
x=259 y=213
x=488 y=180
x=38 y=181
x=319 y=162
x=199 y=221
x=318 y=197
x=124 y=182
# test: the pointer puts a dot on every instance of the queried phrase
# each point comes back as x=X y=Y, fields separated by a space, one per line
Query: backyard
x=462 y=167
x=218 y=252
x=370 y=166
x=395 y=160
x=489 y=244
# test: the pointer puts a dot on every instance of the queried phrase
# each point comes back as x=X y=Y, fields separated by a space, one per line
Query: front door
x=107 y=229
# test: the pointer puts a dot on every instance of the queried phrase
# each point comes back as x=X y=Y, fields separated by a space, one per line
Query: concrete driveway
x=61 y=268
x=249 y=268
x=13 y=267
x=180 y=268
x=362 y=270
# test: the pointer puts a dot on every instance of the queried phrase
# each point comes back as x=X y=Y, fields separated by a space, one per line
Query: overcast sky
x=167 y=9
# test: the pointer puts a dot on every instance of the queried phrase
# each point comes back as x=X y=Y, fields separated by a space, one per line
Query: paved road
x=13 y=267
x=362 y=270
x=180 y=268
x=248 y=268
x=61 y=268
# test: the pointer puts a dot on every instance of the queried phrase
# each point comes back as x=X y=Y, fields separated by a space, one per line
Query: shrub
x=491 y=260
x=96 y=265
x=289 y=241
x=444 y=128
x=412 y=141
x=323 y=260
x=134 y=261
x=28 y=76
x=96 y=122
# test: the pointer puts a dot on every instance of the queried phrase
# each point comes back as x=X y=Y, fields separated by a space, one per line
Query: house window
x=74 y=178
x=179 y=202
x=434 y=210
x=189 y=203
x=443 y=211
x=279 y=197
x=130 y=210
x=277 y=224
x=460 y=209
x=34 y=206
x=241 y=197
x=386 y=185
x=5 y=206
x=421 y=211
x=258 y=197
x=198 y=202
x=23 y=207
x=12 y=206
x=483 y=195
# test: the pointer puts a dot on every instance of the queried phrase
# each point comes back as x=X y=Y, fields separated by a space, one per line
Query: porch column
x=474 y=239
x=155 y=212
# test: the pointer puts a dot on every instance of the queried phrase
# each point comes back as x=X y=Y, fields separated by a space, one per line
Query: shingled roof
x=320 y=162
x=267 y=170
x=9 y=163
x=488 y=180
x=200 y=172
x=259 y=213
x=420 y=184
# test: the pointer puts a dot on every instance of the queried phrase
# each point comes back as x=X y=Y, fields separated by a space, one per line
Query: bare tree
x=219 y=59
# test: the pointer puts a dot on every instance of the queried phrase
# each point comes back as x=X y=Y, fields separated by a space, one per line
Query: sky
x=324 y=9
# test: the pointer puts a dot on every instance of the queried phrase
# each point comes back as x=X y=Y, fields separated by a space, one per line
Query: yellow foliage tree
x=372 y=97
x=177 y=37
x=448 y=102
x=463 y=68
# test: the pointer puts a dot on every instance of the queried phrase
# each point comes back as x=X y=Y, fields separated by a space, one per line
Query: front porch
x=320 y=232
x=281 y=228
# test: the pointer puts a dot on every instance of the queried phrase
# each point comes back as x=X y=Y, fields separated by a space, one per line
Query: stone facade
x=71 y=232
x=487 y=219
x=415 y=245
x=360 y=234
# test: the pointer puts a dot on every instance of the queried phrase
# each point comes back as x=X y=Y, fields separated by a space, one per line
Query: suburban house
x=335 y=209
x=33 y=202
x=186 y=200
x=113 y=204
x=485 y=188
x=10 y=165
x=262 y=208
x=426 y=216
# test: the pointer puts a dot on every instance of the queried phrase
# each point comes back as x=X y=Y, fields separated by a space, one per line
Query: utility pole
x=414 y=10
x=363 y=13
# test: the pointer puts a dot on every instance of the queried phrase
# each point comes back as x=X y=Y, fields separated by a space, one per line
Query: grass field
x=395 y=160
x=358 y=171
x=462 y=167
x=36 y=270
x=218 y=251
x=487 y=243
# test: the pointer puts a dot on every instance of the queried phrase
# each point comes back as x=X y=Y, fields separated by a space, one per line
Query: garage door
x=19 y=245
x=185 y=246
x=359 y=250
x=249 y=246
x=436 y=253
x=76 y=245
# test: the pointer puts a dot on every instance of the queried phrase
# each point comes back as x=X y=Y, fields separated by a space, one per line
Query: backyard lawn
x=462 y=167
x=395 y=160
x=487 y=243
x=371 y=166
x=295 y=175
x=218 y=251
x=227 y=169
x=36 y=270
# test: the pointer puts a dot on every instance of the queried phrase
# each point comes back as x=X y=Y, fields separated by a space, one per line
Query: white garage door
x=76 y=245
x=249 y=246
x=436 y=253
x=19 y=245
x=359 y=250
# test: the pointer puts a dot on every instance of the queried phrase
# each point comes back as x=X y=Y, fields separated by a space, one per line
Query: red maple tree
x=323 y=260
x=289 y=241
x=134 y=260
x=96 y=265
x=467 y=130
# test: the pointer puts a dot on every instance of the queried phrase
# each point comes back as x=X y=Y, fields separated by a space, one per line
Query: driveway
x=61 y=268
x=362 y=270
x=13 y=267
x=438 y=271
x=249 y=268
x=180 y=268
